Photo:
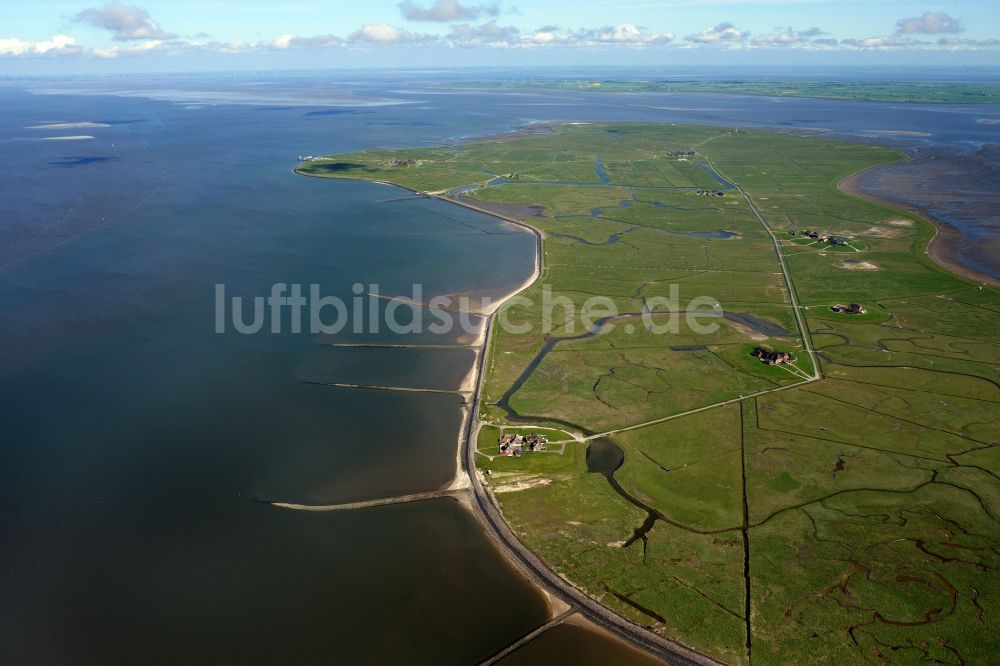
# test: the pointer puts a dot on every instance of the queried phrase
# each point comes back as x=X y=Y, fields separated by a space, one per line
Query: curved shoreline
x=524 y=559
x=495 y=526
x=942 y=248
x=470 y=383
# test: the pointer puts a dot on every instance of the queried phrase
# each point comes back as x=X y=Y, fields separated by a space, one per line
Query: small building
x=535 y=442
x=770 y=356
x=852 y=308
x=518 y=445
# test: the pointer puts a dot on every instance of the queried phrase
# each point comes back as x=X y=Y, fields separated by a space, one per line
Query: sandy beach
x=473 y=381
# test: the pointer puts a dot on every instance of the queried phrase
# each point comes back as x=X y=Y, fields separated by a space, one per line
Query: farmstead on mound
x=820 y=237
x=771 y=357
x=518 y=445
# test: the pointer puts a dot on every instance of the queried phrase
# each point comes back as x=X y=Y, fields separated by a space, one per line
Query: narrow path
x=745 y=531
x=400 y=389
x=365 y=504
x=792 y=295
x=644 y=424
x=527 y=638
x=372 y=345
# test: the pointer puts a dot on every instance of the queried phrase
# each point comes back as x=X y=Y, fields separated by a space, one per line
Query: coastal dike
x=562 y=594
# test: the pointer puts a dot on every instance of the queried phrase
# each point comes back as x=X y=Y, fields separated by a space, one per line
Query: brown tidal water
x=412 y=584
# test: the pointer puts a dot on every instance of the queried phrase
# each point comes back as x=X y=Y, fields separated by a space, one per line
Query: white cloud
x=626 y=34
x=141 y=35
x=383 y=33
x=930 y=23
x=125 y=22
x=956 y=43
x=58 y=44
x=725 y=33
x=790 y=37
x=140 y=48
x=545 y=35
x=293 y=42
x=491 y=34
x=824 y=44
x=446 y=11
x=487 y=34
x=884 y=43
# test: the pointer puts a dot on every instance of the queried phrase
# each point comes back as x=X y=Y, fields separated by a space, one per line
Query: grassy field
x=867 y=91
x=759 y=514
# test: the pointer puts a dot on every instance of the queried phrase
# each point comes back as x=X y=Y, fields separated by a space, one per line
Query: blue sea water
x=135 y=439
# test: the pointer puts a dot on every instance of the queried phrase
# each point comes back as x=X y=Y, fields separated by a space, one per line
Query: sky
x=66 y=36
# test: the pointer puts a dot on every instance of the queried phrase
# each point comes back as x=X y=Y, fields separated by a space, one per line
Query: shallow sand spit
x=898 y=132
x=80 y=125
x=74 y=137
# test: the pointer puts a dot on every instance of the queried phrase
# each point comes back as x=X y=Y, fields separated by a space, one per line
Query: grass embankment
x=855 y=517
